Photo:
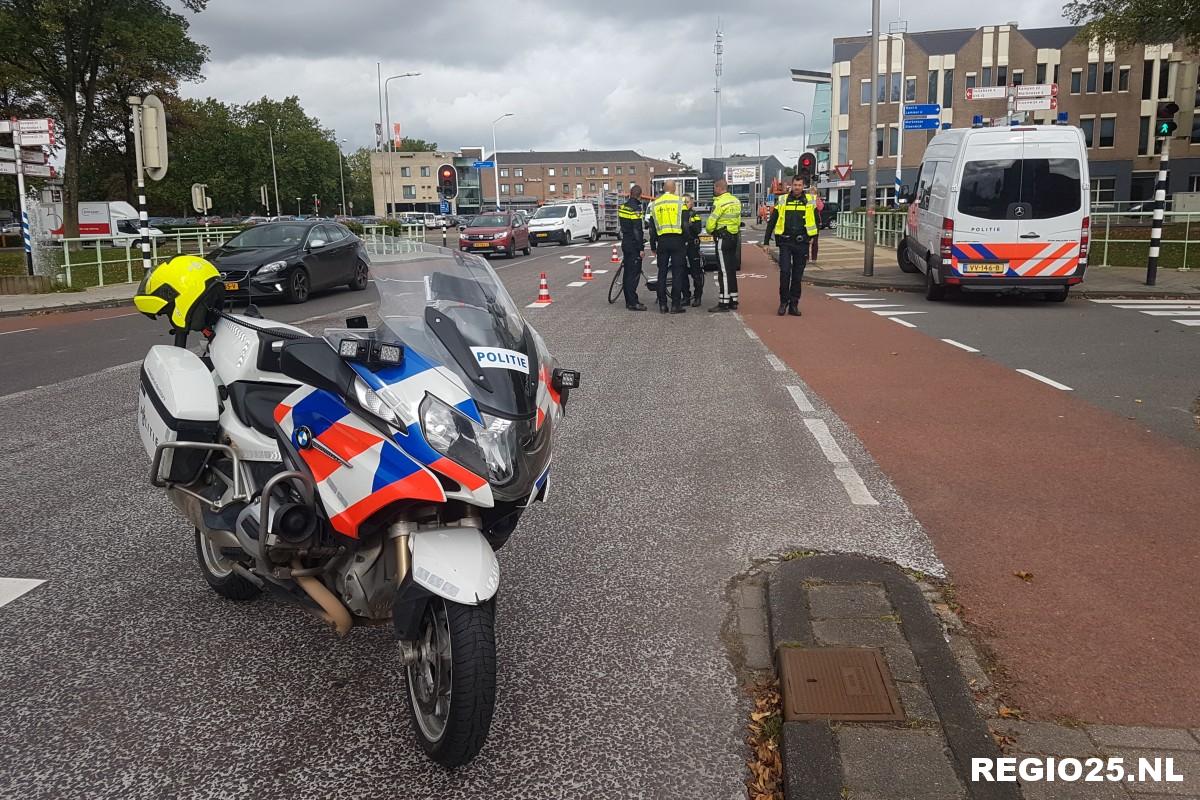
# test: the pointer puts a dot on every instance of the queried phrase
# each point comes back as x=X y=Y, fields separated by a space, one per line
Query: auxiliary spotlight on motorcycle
x=368 y=474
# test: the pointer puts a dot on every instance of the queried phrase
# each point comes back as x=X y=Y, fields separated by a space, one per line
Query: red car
x=501 y=232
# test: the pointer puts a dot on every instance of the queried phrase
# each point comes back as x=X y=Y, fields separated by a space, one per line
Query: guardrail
x=1118 y=239
x=82 y=262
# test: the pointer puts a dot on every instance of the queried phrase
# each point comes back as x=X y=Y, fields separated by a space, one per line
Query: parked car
x=128 y=234
x=563 y=223
x=829 y=214
x=501 y=232
x=1000 y=209
x=291 y=260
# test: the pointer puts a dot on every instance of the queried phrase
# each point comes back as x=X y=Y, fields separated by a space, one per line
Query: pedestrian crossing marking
x=897 y=313
x=1180 y=311
x=577 y=283
x=12 y=588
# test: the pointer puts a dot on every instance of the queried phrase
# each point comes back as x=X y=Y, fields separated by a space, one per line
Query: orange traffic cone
x=614 y=258
x=587 y=268
x=543 y=290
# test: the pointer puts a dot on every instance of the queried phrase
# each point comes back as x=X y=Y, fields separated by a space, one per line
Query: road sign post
x=26 y=239
x=872 y=171
x=1160 y=197
x=921 y=124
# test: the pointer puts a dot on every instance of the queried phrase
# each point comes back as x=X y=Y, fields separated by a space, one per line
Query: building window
x=864 y=92
x=1076 y=81
x=620 y=186
x=1108 y=131
x=881 y=94
x=1056 y=66
x=1041 y=73
x=895 y=87
x=565 y=172
x=1164 y=79
x=1088 y=126
x=520 y=188
x=1147 y=78
x=551 y=174
x=1144 y=136
x=893 y=139
x=503 y=172
x=879 y=142
x=552 y=188
x=618 y=169
x=409 y=191
x=604 y=170
x=1123 y=79
x=1091 y=78
x=504 y=188
x=578 y=171
x=579 y=188
x=843 y=152
x=605 y=187
x=1002 y=76
x=884 y=196
x=1018 y=77
x=631 y=170
x=844 y=94
x=424 y=172
x=910 y=89
x=1195 y=129
x=1194 y=183
x=970 y=80
x=932 y=95
x=592 y=186
x=1104 y=190
x=591 y=170
x=519 y=172
x=406 y=172
x=987 y=77
x=1107 y=84
x=948 y=89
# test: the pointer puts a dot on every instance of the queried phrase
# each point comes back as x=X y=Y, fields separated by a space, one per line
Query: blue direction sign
x=484 y=164
x=922 y=110
x=444 y=208
x=921 y=124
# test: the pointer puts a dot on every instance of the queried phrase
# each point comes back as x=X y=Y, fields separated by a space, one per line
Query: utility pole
x=872 y=168
x=718 y=51
x=1160 y=197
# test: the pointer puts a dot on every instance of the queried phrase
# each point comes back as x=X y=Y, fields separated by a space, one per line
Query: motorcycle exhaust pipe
x=333 y=610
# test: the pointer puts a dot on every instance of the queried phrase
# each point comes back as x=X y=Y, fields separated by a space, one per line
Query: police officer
x=667 y=220
x=633 y=239
x=793 y=222
x=695 y=264
x=725 y=224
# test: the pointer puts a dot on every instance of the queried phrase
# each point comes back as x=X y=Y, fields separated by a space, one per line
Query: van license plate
x=541 y=235
x=231 y=286
x=990 y=267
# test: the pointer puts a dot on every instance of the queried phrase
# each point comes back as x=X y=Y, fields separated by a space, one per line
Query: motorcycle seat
x=254 y=403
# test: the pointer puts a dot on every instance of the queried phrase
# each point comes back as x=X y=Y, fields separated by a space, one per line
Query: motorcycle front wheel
x=452 y=683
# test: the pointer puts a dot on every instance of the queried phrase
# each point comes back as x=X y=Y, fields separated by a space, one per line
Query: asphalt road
x=687 y=454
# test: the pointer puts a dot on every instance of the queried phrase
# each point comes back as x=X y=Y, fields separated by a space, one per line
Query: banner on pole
x=396 y=134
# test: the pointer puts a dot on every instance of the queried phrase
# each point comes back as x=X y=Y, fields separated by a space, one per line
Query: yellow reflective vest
x=726 y=214
x=801 y=209
x=668 y=214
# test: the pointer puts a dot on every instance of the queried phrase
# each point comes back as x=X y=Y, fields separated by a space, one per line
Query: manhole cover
x=837 y=683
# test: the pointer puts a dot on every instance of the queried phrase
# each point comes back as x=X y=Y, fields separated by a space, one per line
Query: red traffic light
x=447 y=181
x=808 y=164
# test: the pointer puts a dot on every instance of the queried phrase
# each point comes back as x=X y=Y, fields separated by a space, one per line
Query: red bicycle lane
x=1008 y=475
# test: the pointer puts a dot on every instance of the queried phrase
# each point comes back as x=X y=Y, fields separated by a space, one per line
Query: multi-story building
x=407 y=181
x=1110 y=92
x=532 y=178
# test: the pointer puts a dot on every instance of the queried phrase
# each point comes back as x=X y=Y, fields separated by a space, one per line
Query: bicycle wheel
x=615 y=288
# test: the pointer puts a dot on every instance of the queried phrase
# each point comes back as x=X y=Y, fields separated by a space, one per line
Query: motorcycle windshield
x=453 y=308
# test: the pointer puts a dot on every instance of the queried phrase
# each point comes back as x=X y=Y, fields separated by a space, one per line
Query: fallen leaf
x=1025 y=576
x=758 y=716
x=1009 y=713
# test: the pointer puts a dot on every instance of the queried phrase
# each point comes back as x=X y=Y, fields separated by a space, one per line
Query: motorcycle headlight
x=274 y=266
x=452 y=433
x=498 y=443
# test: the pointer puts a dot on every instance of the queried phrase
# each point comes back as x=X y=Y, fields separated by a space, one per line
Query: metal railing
x=1118 y=239
x=89 y=261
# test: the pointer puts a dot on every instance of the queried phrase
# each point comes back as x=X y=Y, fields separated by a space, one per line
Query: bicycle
x=615 y=289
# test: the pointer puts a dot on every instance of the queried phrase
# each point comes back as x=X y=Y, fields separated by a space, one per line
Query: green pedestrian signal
x=1165 y=127
x=1164 y=118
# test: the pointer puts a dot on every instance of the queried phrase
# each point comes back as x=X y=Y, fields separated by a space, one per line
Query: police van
x=1000 y=209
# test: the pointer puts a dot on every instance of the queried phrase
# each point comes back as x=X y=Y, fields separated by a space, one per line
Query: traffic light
x=808 y=164
x=1164 y=118
x=447 y=181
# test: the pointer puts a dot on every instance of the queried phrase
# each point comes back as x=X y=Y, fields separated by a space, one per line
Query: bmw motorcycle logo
x=303 y=437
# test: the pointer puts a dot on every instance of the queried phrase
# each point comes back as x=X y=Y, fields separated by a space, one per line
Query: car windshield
x=488 y=221
x=1050 y=186
x=550 y=212
x=270 y=236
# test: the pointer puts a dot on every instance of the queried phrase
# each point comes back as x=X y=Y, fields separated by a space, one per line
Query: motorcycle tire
x=217 y=571
x=452 y=685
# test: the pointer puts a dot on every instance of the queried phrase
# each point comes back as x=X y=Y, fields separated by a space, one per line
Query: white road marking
x=599 y=271
x=578 y=283
x=12 y=588
x=855 y=488
x=331 y=314
x=1138 y=302
x=827 y=443
x=752 y=334
x=856 y=299
x=843 y=294
x=118 y=316
x=903 y=322
x=879 y=305
x=573 y=259
x=1045 y=380
x=960 y=345
x=1160 y=306
x=22 y=330
x=800 y=398
x=1191 y=323
x=1156 y=313
x=537 y=305
x=775 y=363
x=897 y=313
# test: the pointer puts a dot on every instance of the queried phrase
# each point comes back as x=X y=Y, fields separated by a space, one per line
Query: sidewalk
x=840 y=263
x=117 y=294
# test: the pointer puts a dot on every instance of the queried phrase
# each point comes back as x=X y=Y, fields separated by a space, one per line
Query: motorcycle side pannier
x=177 y=401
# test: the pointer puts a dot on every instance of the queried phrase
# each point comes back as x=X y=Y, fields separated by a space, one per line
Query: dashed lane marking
x=856 y=299
x=859 y=494
x=22 y=330
x=599 y=272
x=775 y=363
x=577 y=283
x=537 y=305
x=903 y=322
x=800 y=398
x=1048 y=381
x=12 y=588
x=845 y=472
x=1191 y=323
x=826 y=442
x=897 y=313
x=960 y=345
x=879 y=305
x=844 y=294
x=751 y=334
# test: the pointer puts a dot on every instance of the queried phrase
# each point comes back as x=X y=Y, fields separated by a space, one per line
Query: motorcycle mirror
x=315 y=363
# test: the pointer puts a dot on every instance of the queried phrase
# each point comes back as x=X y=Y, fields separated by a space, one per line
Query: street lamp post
x=342 y=174
x=274 y=174
x=804 y=140
x=757 y=169
x=872 y=167
x=299 y=213
x=496 y=157
x=387 y=112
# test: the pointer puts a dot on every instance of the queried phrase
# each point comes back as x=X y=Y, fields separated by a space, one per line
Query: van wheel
x=566 y=238
x=595 y=236
x=932 y=290
x=903 y=258
x=1059 y=295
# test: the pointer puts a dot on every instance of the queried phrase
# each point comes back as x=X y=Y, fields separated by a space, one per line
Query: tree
x=358 y=181
x=678 y=159
x=1137 y=21
x=81 y=54
x=416 y=146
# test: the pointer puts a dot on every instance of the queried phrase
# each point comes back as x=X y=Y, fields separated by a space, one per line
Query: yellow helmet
x=179 y=288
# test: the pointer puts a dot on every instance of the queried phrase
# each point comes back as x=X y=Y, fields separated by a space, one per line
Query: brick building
x=531 y=178
x=1110 y=92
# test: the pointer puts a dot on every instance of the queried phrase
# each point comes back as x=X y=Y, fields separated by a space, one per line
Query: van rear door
x=1052 y=184
x=989 y=207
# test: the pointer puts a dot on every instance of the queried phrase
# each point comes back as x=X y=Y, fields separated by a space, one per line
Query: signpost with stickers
x=19 y=161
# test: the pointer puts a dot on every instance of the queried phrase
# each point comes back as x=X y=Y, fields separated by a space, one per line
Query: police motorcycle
x=366 y=475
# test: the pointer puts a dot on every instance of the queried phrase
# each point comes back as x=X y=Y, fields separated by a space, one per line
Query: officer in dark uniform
x=633 y=240
x=695 y=264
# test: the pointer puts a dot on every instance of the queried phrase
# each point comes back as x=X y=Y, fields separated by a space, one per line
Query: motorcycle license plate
x=231 y=286
x=481 y=244
x=987 y=267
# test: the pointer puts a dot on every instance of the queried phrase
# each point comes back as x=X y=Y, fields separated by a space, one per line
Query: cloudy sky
x=599 y=74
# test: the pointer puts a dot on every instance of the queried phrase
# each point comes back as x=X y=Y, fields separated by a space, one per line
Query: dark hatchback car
x=291 y=260
x=502 y=232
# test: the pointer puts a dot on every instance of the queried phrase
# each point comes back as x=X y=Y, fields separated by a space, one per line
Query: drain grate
x=852 y=684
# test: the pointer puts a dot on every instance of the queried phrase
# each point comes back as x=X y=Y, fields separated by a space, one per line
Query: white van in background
x=563 y=223
x=1000 y=209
